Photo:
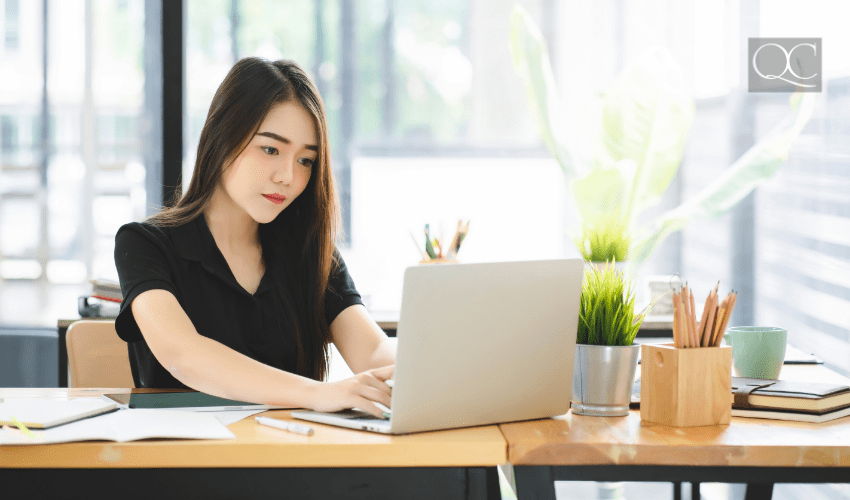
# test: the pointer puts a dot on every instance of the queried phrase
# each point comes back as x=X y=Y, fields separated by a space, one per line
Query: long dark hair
x=309 y=226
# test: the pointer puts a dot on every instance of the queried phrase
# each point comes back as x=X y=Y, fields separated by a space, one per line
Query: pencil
x=462 y=235
x=726 y=314
x=683 y=323
x=679 y=311
x=683 y=312
x=416 y=244
x=701 y=328
x=712 y=315
x=730 y=304
x=693 y=318
x=452 y=250
x=22 y=427
x=718 y=321
x=687 y=318
x=676 y=333
x=428 y=247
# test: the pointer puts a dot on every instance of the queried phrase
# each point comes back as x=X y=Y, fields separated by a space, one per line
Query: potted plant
x=637 y=147
x=604 y=242
x=605 y=356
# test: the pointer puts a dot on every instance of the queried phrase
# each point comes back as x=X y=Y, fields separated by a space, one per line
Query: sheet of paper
x=127 y=425
x=47 y=412
x=231 y=417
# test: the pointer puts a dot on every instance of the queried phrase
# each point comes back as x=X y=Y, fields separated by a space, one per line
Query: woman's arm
x=360 y=340
x=211 y=367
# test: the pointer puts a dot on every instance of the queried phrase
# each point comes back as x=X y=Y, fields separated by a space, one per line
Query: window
x=12 y=37
x=64 y=191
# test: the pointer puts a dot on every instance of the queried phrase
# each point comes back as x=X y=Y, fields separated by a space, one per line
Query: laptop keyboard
x=354 y=415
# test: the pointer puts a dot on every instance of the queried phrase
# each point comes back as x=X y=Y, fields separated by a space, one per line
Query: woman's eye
x=307 y=162
x=269 y=150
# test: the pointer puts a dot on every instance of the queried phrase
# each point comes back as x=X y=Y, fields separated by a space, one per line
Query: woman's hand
x=360 y=391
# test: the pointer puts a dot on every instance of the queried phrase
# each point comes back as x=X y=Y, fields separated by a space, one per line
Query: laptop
x=479 y=344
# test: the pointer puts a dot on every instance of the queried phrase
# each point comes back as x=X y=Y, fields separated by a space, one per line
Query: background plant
x=607 y=312
x=604 y=239
x=645 y=119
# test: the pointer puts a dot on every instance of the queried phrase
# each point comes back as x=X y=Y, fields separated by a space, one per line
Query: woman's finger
x=373 y=394
x=372 y=381
x=370 y=408
x=384 y=373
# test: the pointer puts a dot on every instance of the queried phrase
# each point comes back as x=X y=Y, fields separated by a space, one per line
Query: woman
x=237 y=289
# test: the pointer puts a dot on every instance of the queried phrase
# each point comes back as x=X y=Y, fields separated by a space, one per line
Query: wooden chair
x=97 y=357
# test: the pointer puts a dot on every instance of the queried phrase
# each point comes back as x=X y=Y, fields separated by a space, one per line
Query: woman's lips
x=275 y=198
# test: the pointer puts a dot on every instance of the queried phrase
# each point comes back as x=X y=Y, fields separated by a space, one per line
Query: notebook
x=792 y=415
x=43 y=413
x=479 y=344
x=183 y=400
x=808 y=397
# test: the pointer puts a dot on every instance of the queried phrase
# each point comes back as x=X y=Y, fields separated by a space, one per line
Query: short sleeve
x=341 y=290
x=140 y=258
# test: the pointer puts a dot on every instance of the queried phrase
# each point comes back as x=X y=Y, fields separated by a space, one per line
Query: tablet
x=192 y=400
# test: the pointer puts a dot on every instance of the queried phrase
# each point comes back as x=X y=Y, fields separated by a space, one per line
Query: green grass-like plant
x=607 y=312
x=604 y=240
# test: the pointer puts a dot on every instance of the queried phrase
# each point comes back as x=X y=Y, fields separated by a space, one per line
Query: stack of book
x=103 y=302
x=106 y=290
x=789 y=400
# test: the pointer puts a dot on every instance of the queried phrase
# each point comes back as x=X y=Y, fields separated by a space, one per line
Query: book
x=782 y=395
x=43 y=413
x=126 y=425
x=792 y=415
x=801 y=397
x=106 y=290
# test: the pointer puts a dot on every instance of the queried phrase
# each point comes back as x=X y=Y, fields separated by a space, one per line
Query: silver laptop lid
x=485 y=343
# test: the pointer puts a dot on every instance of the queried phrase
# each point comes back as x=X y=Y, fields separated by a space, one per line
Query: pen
x=287 y=426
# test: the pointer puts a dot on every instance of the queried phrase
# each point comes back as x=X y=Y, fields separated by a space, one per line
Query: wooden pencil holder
x=686 y=387
x=440 y=261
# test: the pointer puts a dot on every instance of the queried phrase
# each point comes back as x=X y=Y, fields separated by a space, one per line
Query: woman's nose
x=284 y=171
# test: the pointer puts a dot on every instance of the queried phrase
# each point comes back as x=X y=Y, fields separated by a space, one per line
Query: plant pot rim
x=598 y=345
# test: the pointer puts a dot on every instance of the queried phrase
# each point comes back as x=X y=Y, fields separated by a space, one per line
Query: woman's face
x=276 y=165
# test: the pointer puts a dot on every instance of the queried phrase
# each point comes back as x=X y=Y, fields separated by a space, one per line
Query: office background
x=429 y=123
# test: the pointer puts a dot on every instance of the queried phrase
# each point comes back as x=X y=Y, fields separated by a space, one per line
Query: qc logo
x=785 y=65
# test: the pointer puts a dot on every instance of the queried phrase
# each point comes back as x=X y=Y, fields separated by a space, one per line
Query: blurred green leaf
x=531 y=60
x=757 y=165
x=646 y=116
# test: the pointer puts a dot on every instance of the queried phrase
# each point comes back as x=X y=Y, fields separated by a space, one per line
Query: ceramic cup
x=757 y=351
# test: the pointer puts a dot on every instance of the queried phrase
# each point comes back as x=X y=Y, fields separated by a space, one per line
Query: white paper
x=231 y=417
x=127 y=425
x=47 y=412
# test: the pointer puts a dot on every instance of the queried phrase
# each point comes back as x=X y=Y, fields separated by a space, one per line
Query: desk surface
x=584 y=440
x=261 y=446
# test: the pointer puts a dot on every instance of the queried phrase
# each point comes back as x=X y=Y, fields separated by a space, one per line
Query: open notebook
x=43 y=413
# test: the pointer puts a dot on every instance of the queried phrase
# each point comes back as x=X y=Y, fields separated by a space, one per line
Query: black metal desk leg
x=677 y=490
x=695 y=493
x=483 y=483
x=534 y=482
x=759 y=491
x=63 y=357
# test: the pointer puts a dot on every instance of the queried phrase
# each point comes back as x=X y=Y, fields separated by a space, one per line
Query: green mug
x=757 y=351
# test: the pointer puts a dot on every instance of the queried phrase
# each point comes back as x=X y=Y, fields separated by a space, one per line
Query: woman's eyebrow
x=284 y=140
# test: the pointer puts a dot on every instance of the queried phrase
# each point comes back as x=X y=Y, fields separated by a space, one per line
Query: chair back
x=97 y=357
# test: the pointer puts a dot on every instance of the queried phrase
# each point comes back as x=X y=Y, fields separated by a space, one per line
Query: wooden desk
x=755 y=451
x=261 y=462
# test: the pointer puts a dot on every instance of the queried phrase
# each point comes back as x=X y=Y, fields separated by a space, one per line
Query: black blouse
x=186 y=261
